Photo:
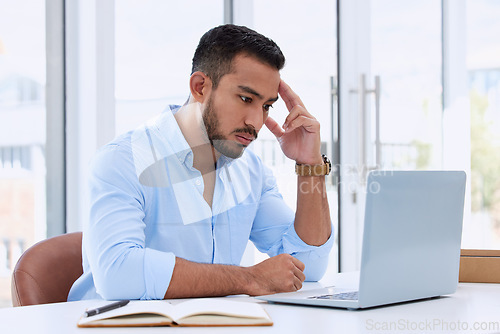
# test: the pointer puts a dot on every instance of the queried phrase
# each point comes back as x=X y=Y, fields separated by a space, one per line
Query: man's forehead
x=253 y=76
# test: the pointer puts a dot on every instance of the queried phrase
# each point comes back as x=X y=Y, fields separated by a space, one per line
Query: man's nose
x=255 y=118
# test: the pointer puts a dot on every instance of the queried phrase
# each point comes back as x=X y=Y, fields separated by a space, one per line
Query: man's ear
x=199 y=84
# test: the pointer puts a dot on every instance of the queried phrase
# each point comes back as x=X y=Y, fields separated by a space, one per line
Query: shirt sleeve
x=273 y=231
x=122 y=266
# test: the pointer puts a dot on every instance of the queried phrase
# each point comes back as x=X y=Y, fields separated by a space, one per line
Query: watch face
x=328 y=164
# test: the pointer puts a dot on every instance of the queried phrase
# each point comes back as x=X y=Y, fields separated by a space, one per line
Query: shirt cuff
x=315 y=258
x=158 y=269
x=292 y=243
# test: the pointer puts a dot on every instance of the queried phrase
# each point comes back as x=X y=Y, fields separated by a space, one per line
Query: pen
x=106 y=308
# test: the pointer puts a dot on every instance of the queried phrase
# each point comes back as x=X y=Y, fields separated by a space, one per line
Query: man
x=174 y=202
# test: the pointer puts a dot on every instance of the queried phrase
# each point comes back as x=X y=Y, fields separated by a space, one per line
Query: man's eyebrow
x=253 y=92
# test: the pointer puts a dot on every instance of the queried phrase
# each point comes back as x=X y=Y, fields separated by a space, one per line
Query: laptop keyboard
x=338 y=296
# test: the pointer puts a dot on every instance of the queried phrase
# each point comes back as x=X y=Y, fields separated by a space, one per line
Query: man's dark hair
x=219 y=46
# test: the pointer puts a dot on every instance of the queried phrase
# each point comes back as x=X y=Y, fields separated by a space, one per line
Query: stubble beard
x=211 y=127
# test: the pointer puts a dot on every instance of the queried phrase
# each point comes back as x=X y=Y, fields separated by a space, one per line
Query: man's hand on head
x=299 y=137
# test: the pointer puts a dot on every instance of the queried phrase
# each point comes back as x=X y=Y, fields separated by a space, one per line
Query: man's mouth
x=244 y=139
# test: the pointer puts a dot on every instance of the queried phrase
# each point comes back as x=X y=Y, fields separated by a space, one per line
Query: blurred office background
x=73 y=74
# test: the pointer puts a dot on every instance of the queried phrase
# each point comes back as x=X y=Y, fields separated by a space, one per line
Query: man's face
x=236 y=111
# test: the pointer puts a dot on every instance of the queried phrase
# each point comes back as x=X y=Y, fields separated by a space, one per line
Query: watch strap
x=314 y=170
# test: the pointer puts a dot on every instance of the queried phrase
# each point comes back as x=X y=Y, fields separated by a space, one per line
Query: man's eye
x=267 y=107
x=246 y=99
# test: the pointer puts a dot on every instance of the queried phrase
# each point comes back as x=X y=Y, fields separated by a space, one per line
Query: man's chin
x=229 y=149
x=233 y=154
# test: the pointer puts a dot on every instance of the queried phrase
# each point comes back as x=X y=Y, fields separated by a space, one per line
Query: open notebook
x=195 y=312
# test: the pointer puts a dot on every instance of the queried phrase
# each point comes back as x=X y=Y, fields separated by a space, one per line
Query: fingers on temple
x=289 y=97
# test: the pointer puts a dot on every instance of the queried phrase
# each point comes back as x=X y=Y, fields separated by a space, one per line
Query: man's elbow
x=314 y=275
x=111 y=289
x=116 y=284
x=314 y=269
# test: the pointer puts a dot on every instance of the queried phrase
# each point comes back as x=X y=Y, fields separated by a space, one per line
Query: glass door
x=391 y=110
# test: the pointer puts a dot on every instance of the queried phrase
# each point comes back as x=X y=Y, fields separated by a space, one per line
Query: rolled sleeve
x=123 y=267
x=315 y=258
x=158 y=269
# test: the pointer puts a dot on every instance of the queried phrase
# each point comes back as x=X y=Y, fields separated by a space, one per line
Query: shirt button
x=198 y=182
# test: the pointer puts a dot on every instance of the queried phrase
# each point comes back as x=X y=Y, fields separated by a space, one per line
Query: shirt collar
x=169 y=131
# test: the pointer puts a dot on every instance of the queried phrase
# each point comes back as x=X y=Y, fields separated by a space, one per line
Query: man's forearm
x=312 y=217
x=282 y=273
x=191 y=279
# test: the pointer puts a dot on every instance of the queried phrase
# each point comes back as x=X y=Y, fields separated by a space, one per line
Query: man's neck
x=189 y=119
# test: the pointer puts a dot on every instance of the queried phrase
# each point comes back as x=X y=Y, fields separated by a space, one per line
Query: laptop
x=411 y=242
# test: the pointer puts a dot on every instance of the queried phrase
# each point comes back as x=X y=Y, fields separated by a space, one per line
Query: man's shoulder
x=120 y=146
x=113 y=158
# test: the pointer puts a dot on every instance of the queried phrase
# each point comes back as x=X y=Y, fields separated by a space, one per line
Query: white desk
x=472 y=304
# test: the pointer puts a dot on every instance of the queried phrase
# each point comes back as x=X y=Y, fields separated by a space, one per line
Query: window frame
x=90 y=102
x=55 y=115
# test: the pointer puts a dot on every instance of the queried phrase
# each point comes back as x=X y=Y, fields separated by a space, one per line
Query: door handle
x=378 y=145
x=363 y=127
x=334 y=124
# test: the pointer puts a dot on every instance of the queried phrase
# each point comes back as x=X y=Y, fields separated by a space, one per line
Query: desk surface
x=474 y=308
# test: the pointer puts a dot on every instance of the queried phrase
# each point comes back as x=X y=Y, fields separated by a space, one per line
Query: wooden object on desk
x=479 y=266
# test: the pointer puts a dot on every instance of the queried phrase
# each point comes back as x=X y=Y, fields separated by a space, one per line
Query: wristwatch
x=314 y=170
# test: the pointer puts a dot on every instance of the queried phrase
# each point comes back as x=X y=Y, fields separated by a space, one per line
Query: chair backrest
x=47 y=270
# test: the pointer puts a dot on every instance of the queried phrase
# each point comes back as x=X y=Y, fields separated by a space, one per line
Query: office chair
x=47 y=270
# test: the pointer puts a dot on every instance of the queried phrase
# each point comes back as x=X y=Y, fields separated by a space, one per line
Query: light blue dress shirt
x=147 y=207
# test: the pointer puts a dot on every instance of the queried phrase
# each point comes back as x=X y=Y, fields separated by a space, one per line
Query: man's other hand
x=281 y=273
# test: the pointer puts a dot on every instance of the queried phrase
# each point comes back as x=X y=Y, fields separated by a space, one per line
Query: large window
x=155 y=42
x=483 y=72
x=22 y=133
